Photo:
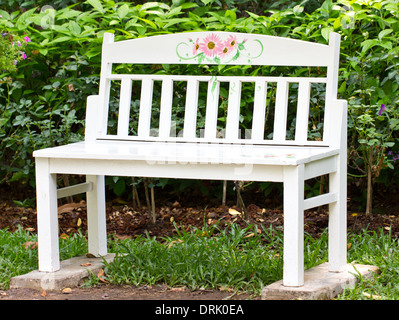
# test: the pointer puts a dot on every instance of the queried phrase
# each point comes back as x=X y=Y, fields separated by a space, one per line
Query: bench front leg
x=293 y=272
x=47 y=217
x=96 y=218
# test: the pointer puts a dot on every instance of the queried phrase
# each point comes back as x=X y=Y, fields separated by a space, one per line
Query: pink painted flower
x=27 y=39
x=225 y=51
x=211 y=46
x=196 y=47
x=231 y=42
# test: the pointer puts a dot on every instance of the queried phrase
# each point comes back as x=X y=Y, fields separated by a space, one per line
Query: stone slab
x=320 y=284
x=71 y=274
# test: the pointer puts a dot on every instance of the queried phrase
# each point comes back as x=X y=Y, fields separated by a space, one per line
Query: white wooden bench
x=206 y=155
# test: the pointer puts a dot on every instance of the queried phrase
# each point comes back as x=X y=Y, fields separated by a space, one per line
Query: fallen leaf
x=66 y=290
x=79 y=222
x=172 y=219
x=354 y=214
x=372 y=296
x=250 y=235
x=180 y=289
x=100 y=273
x=173 y=242
x=30 y=245
x=87 y=264
x=234 y=212
x=100 y=276
x=349 y=245
x=64 y=236
x=44 y=293
x=226 y=289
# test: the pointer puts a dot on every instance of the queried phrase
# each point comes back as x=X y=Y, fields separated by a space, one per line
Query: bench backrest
x=218 y=48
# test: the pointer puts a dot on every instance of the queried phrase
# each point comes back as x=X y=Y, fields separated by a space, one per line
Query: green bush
x=43 y=102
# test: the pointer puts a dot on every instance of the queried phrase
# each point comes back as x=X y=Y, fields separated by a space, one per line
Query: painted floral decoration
x=212 y=48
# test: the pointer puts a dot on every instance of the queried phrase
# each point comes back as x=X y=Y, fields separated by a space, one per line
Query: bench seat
x=196 y=153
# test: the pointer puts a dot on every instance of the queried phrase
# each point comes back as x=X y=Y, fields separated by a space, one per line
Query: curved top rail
x=216 y=47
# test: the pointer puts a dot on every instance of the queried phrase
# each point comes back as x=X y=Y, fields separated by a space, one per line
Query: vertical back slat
x=147 y=86
x=280 y=111
x=233 y=110
x=124 y=107
x=190 y=115
x=212 y=104
x=258 y=118
x=166 y=108
x=302 y=115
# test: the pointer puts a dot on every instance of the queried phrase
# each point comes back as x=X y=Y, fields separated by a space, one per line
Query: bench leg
x=96 y=218
x=337 y=236
x=293 y=272
x=47 y=217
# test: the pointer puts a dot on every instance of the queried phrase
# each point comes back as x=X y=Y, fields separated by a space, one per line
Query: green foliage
x=18 y=252
x=43 y=103
x=241 y=259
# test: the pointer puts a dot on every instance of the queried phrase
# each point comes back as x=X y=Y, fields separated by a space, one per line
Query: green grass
x=233 y=258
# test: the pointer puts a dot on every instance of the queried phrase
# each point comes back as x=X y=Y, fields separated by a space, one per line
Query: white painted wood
x=145 y=108
x=105 y=86
x=320 y=200
x=302 y=115
x=162 y=49
x=161 y=77
x=47 y=217
x=293 y=268
x=166 y=108
x=209 y=156
x=92 y=111
x=96 y=219
x=212 y=104
x=239 y=154
x=170 y=169
x=337 y=227
x=190 y=116
x=233 y=111
x=258 y=122
x=331 y=89
x=280 y=111
x=317 y=168
x=76 y=189
x=124 y=107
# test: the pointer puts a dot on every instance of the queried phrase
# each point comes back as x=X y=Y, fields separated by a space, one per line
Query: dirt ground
x=123 y=221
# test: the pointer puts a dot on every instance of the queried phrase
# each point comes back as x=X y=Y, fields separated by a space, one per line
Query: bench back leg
x=337 y=225
x=293 y=272
x=96 y=218
x=47 y=217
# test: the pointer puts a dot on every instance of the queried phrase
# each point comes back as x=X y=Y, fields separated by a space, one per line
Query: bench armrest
x=91 y=117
